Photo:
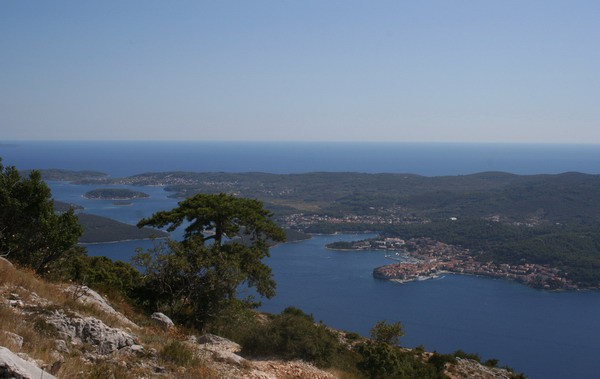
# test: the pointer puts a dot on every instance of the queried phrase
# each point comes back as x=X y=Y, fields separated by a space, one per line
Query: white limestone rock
x=61 y=346
x=12 y=366
x=86 y=295
x=90 y=330
x=162 y=320
x=214 y=342
x=228 y=357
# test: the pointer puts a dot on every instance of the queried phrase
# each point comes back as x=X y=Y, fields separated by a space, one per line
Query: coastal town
x=425 y=258
x=303 y=221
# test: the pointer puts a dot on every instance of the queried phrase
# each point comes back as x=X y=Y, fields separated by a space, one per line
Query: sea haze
x=128 y=158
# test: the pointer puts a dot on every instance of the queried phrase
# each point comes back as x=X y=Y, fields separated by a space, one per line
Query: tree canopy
x=213 y=217
x=31 y=232
x=223 y=247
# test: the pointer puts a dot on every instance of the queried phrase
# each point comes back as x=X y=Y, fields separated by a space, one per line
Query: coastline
x=125 y=240
x=114 y=198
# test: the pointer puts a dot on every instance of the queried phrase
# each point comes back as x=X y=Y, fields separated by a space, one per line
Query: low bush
x=179 y=354
x=439 y=360
x=462 y=354
x=382 y=360
x=292 y=335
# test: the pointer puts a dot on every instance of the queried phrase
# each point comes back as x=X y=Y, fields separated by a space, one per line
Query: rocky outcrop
x=90 y=330
x=275 y=369
x=6 y=262
x=162 y=320
x=86 y=295
x=46 y=330
x=213 y=342
x=220 y=349
x=13 y=338
x=468 y=368
x=222 y=356
x=12 y=366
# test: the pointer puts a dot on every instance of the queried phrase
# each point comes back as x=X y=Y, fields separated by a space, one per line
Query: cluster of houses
x=434 y=258
x=302 y=221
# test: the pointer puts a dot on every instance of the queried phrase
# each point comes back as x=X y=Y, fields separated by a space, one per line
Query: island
x=114 y=194
x=98 y=229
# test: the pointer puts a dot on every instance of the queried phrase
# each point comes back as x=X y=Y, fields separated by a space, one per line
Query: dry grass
x=77 y=368
x=201 y=371
x=25 y=282
x=39 y=339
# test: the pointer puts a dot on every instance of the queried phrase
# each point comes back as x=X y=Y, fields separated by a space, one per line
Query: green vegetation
x=292 y=335
x=439 y=361
x=381 y=357
x=568 y=197
x=195 y=281
x=178 y=353
x=390 y=334
x=67 y=175
x=104 y=274
x=294 y=235
x=504 y=218
x=31 y=232
x=573 y=248
x=114 y=194
x=98 y=229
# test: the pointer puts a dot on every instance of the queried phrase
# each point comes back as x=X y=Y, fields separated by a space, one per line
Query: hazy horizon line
x=388 y=142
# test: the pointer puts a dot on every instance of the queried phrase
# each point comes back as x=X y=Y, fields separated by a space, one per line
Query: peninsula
x=425 y=258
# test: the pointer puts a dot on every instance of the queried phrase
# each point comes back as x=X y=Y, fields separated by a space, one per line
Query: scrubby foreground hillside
x=70 y=331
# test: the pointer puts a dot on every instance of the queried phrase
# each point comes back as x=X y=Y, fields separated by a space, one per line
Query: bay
x=544 y=334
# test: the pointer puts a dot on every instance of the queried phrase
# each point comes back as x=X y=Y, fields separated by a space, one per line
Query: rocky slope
x=50 y=330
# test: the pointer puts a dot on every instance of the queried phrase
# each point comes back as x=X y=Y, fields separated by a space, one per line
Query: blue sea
x=543 y=334
x=128 y=158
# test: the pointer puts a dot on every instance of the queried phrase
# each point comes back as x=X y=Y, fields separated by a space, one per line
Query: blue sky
x=438 y=71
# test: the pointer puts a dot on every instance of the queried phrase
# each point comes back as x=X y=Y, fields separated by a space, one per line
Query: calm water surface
x=544 y=334
x=429 y=159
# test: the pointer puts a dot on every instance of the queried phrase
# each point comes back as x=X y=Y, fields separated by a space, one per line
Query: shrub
x=439 y=360
x=462 y=354
x=104 y=274
x=382 y=360
x=293 y=335
x=379 y=360
x=179 y=354
x=31 y=232
x=387 y=333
